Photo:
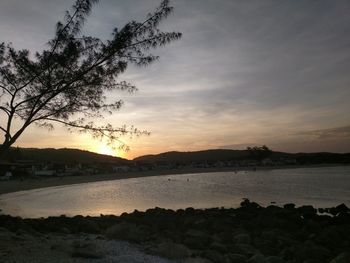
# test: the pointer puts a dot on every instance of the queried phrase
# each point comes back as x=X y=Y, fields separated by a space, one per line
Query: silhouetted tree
x=14 y=154
x=66 y=83
x=259 y=153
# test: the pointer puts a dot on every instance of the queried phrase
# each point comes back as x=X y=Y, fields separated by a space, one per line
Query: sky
x=244 y=73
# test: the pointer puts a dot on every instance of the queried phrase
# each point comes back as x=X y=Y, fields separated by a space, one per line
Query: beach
x=41 y=182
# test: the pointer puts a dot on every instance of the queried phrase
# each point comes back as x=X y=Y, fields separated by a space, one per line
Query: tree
x=259 y=153
x=67 y=82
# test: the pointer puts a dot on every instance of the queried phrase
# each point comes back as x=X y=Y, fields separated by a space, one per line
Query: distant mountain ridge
x=65 y=155
x=196 y=156
x=215 y=155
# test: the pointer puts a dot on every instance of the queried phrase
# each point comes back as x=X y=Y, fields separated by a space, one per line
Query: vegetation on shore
x=250 y=233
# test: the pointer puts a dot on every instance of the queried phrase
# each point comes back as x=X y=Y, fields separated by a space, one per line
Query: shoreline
x=42 y=182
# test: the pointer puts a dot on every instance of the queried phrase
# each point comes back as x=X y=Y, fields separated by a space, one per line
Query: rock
x=236 y=258
x=275 y=259
x=258 y=258
x=287 y=253
x=322 y=210
x=5 y=234
x=126 y=259
x=276 y=235
x=307 y=211
x=65 y=230
x=218 y=247
x=310 y=251
x=172 y=250
x=341 y=258
x=197 y=239
x=196 y=260
x=342 y=208
x=190 y=210
x=289 y=206
x=195 y=233
x=225 y=237
x=250 y=205
x=127 y=231
x=246 y=249
x=118 y=231
x=330 y=237
x=89 y=226
x=85 y=250
x=214 y=256
x=242 y=239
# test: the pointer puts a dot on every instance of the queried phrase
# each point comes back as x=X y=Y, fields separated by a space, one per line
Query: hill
x=239 y=155
x=197 y=156
x=64 y=155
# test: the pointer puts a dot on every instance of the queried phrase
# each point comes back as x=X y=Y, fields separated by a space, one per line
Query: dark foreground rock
x=247 y=234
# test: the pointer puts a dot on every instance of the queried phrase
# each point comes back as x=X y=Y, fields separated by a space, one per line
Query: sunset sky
x=244 y=73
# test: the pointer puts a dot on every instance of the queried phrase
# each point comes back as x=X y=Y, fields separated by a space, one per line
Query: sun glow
x=105 y=149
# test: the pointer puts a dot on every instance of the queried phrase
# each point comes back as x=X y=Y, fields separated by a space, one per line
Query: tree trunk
x=4 y=148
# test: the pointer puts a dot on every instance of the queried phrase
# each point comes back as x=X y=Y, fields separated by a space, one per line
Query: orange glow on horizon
x=103 y=148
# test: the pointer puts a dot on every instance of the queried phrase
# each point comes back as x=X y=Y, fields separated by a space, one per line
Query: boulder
x=172 y=250
x=311 y=251
x=85 y=250
x=330 y=237
x=246 y=249
x=258 y=258
x=128 y=231
x=219 y=247
x=236 y=258
x=214 y=256
x=196 y=260
x=307 y=211
x=342 y=208
x=250 y=205
x=289 y=206
x=224 y=236
x=126 y=259
x=197 y=239
x=275 y=259
x=242 y=239
x=341 y=258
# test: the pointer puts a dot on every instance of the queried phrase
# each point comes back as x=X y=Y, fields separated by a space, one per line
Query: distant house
x=267 y=162
x=7 y=176
x=44 y=172
x=219 y=164
x=122 y=169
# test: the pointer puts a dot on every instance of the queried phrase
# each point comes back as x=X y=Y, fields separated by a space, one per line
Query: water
x=321 y=187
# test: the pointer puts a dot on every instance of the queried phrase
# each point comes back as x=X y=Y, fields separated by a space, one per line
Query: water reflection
x=321 y=187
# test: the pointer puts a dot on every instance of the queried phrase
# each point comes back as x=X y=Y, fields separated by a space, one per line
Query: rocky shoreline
x=250 y=233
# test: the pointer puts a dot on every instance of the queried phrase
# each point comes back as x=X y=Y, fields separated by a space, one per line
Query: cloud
x=328 y=134
x=244 y=71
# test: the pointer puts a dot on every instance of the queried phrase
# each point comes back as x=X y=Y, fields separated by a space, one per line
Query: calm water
x=321 y=187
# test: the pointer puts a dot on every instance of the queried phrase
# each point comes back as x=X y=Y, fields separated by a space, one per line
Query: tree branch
x=5 y=110
x=3 y=129
x=6 y=89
